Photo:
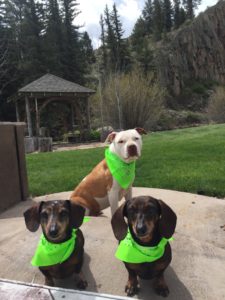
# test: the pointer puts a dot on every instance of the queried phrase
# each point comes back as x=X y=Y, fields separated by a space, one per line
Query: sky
x=129 y=11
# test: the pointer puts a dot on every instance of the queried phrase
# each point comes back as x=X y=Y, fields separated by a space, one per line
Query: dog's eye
x=136 y=138
x=121 y=142
x=44 y=215
x=151 y=212
x=63 y=214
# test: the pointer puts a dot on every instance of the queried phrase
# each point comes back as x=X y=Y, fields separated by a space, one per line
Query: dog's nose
x=132 y=150
x=141 y=229
x=53 y=231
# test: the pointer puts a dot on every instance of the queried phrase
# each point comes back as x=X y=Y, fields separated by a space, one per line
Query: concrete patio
x=196 y=272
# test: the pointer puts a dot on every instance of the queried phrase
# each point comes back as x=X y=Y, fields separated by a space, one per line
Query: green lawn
x=191 y=160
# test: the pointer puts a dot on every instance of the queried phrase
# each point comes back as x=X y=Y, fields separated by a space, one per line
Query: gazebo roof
x=53 y=84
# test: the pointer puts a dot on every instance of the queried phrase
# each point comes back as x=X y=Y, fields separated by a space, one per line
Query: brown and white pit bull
x=99 y=189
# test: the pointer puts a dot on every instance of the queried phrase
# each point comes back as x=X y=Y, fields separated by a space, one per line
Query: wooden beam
x=17 y=112
x=88 y=115
x=28 y=115
x=37 y=118
x=72 y=115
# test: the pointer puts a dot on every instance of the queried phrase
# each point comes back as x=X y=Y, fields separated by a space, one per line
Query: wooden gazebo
x=50 y=88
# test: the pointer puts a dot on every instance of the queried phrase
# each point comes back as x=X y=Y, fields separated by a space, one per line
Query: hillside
x=196 y=51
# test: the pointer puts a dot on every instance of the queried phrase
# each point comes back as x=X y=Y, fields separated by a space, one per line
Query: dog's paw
x=162 y=291
x=82 y=284
x=131 y=290
x=49 y=282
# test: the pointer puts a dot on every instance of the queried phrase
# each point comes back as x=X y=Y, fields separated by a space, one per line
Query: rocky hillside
x=196 y=51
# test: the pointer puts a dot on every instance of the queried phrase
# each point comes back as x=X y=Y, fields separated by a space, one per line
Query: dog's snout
x=132 y=150
x=53 y=232
x=141 y=228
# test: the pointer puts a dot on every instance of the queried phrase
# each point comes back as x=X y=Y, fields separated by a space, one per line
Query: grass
x=190 y=160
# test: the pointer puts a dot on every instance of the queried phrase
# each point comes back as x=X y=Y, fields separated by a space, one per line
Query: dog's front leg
x=131 y=287
x=113 y=196
x=128 y=195
x=81 y=283
x=113 y=201
x=160 y=286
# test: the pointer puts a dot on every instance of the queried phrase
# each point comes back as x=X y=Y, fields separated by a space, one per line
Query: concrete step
x=196 y=271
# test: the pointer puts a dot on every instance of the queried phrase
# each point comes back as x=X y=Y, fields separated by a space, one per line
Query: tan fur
x=95 y=185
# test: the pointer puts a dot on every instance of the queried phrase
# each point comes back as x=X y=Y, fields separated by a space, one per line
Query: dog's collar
x=131 y=252
x=124 y=173
x=48 y=254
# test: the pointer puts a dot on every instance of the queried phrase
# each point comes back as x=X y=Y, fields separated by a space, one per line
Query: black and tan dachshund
x=149 y=220
x=58 y=219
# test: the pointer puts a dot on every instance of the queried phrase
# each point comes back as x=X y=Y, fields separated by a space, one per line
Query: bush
x=132 y=100
x=171 y=119
x=216 y=107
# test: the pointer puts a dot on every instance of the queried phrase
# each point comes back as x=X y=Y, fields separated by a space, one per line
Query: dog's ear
x=119 y=225
x=32 y=217
x=140 y=130
x=76 y=214
x=167 y=221
x=110 y=137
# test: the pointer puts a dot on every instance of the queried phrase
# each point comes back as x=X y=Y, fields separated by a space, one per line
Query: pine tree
x=157 y=20
x=74 y=61
x=32 y=63
x=167 y=15
x=54 y=40
x=179 y=14
x=190 y=6
x=87 y=49
x=148 y=16
x=103 y=63
x=111 y=43
x=138 y=34
x=122 y=53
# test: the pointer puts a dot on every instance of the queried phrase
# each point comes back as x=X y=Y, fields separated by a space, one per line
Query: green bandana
x=124 y=173
x=131 y=252
x=48 y=254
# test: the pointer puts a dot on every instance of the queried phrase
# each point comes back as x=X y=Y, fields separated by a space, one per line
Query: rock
x=195 y=51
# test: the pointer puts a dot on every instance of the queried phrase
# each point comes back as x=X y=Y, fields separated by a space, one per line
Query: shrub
x=216 y=107
x=132 y=100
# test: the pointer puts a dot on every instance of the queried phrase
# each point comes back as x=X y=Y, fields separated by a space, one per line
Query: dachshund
x=149 y=221
x=59 y=219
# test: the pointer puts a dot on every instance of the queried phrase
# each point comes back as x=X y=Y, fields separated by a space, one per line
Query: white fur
x=116 y=193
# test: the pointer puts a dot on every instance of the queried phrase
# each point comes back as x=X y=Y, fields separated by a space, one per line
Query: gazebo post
x=72 y=116
x=88 y=115
x=37 y=117
x=17 y=112
x=28 y=115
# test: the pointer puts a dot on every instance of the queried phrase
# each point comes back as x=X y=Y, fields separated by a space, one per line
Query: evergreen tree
x=103 y=62
x=190 y=6
x=74 y=60
x=87 y=49
x=54 y=41
x=111 y=43
x=179 y=14
x=122 y=53
x=31 y=28
x=167 y=15
x=148 y=16
x=138 y=34
x=157 y=19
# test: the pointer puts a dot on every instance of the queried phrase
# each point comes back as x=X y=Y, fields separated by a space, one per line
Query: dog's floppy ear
x=110 y=137
x=76 y=214
x=32 y=217
x=140 y=130
x=119 y=225
x=167 y=221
